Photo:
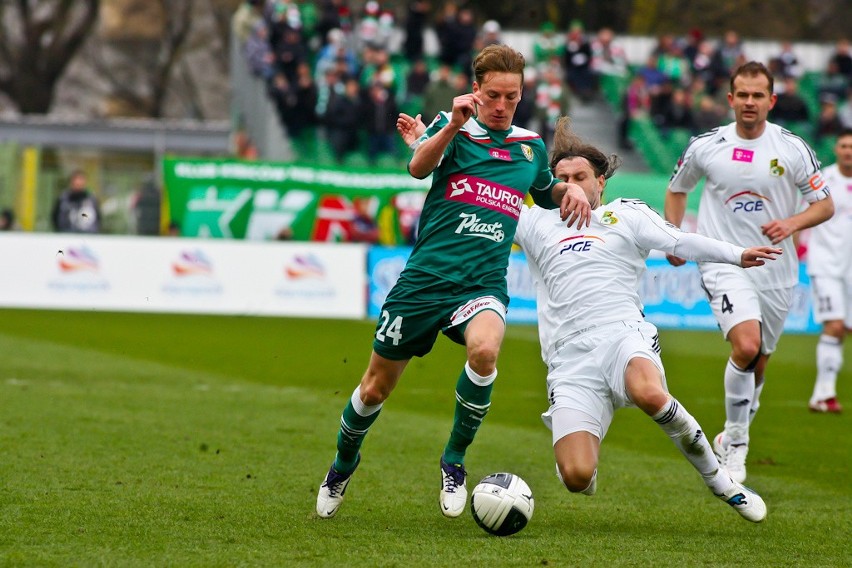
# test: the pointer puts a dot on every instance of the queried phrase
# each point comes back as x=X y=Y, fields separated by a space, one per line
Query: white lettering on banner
x=482 y=192
x=271 y=172
x=472 y=226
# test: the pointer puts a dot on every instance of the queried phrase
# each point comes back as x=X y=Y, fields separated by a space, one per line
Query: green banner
x=268 y=200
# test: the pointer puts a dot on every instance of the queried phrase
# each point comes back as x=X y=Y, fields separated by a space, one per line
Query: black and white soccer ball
x=502 y=504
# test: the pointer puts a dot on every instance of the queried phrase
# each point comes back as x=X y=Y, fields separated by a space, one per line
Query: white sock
x=755 y=404
x=687 y=435
x=739 y=394
x=829 y=355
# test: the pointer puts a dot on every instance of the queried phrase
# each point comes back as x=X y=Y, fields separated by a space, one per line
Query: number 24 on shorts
x=394 y=330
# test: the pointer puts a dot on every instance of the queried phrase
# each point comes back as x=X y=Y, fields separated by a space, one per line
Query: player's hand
x=410 y=128
x=464 y=107
x=777 y=230
x=575 y=206
x=675 y=260
x=757 y=256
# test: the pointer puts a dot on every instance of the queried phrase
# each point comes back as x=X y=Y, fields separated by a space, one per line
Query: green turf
x=157 y=440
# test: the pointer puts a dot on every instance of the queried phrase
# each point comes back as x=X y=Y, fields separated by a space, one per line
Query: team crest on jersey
x=775 y=168
x=528 y=152
x=609 y=218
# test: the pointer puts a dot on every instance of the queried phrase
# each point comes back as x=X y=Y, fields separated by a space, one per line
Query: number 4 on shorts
x=727 y=306
x=394 y=330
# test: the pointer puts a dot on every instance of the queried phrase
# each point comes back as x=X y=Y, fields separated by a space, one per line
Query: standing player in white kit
x=756 y=176
x=830 y=270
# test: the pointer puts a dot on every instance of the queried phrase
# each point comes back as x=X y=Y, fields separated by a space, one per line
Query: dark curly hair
x=566 y=144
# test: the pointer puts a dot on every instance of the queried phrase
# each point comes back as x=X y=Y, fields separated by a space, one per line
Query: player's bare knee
x=482 y=357
x=576 y=477
x=650 y=399
x=746 y=351
x=373 y=390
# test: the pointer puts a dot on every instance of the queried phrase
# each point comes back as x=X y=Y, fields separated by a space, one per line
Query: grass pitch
x=154 y=440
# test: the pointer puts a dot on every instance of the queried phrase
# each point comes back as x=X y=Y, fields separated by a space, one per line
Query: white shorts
x=585 y=379
x=734 y=298
x=832 y=299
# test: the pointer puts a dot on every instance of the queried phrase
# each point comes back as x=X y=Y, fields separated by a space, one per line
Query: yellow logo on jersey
x=775 y=168
x=528 y=152
x=608 y=218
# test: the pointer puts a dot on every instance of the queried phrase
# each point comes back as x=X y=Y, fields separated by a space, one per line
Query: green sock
x=353 y=430
x=472 y=402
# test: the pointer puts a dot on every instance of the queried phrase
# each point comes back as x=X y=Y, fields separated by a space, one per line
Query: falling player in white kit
x=600 y=352
x=756 y=176
x=830 y=269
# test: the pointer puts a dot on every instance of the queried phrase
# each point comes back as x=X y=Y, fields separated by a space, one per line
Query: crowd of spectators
x=328 y=66
x=684 y=84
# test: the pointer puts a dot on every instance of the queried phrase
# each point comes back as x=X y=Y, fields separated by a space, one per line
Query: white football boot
x=453 y=497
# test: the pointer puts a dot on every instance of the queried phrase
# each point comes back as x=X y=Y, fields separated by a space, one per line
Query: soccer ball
x=502 y=504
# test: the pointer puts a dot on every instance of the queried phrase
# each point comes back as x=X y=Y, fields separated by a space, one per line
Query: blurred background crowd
x=343 y=74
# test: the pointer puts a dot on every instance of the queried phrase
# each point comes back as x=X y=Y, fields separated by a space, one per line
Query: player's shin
x=473 y=398
x=755 y=403
x=829 y=356
x=739 y=395
x=687 y=435
x=354 y=424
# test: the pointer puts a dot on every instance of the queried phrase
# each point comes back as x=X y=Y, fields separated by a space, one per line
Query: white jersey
x=829 y=242
x=749 y=183
x=590 y=277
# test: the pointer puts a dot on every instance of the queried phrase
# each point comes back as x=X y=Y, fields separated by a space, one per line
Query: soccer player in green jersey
x=455 y=280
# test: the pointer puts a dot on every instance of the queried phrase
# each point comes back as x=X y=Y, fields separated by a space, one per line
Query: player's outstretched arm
x=757 y=256
x=674 y=209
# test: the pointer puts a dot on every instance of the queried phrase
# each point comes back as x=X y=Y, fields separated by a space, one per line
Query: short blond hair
x=497 y=58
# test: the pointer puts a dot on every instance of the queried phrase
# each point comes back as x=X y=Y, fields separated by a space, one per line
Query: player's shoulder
x=627 y=204
x=787 y=136
x=713 y=137
x=518 y=134
x=627 y=209
x=831 y=171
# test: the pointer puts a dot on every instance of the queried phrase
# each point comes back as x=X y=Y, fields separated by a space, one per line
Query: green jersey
x=471 y=211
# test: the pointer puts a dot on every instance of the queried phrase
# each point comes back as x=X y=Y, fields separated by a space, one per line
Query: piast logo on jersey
x=747 y=202
x=578 y=243
x=472 y=226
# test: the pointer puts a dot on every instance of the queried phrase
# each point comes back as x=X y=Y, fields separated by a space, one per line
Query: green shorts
x=420 y=305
